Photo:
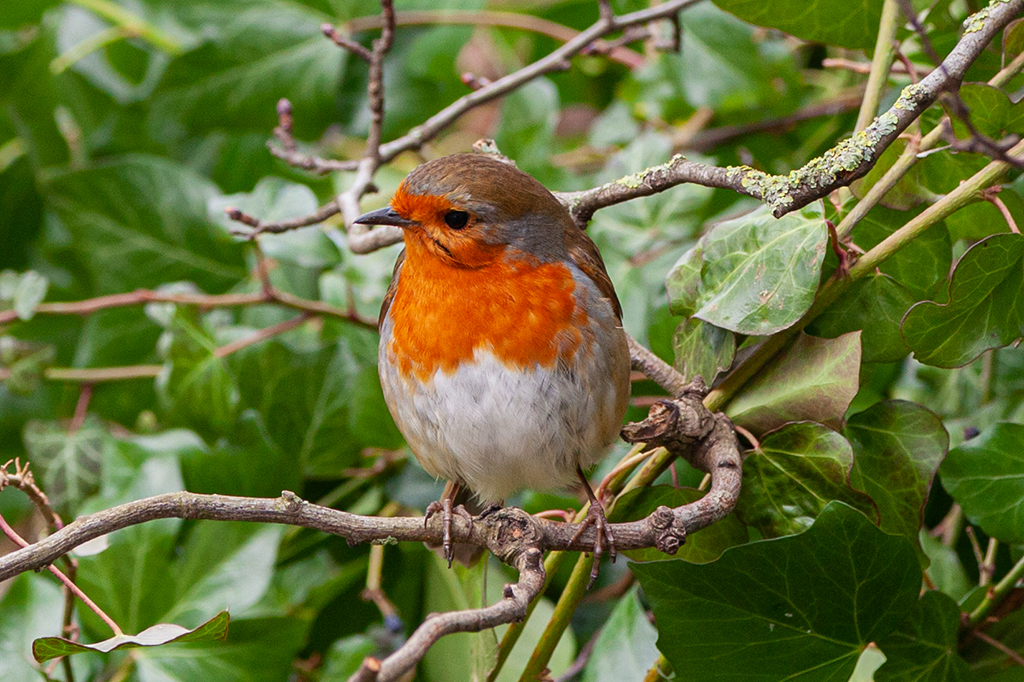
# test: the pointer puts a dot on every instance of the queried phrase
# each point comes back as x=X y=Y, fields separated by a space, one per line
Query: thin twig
x=143 y=296
x=988 y=639
x=84 y=395
x=526 y=22
x=68 y=584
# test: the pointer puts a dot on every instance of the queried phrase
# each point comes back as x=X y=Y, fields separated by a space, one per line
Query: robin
x=502 y=355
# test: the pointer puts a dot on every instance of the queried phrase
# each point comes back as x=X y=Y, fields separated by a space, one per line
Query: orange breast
x=524 y=313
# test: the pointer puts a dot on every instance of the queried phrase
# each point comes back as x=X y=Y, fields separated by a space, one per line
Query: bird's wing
x=392 y=288
x=587 y=258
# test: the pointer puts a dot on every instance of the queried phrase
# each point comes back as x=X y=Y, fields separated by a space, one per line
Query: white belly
x=500 y=430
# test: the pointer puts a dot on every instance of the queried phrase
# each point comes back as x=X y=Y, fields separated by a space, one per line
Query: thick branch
x=515 y=537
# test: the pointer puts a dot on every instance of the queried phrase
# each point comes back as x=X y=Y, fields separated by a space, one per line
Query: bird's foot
x=603 y=539
x=447 y=514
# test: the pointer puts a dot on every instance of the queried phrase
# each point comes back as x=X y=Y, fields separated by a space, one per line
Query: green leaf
x=984 y=309
x=754 y=72
x=925 y=646
x=140 y=221
x=215 y=629
x=801 y=606
x=700 y=548
x=23 y=292
x=853 y=25
x=897 y=448
x=321 y=406
x=19 y=14
x=907 y=192
x=32 y=607
x=529 y=116
x=875 y=306
x=291 y=60
x=196 y=387
x=624 y=650
x=758 y=274
x=919 y=265
x=795 y=473
x=991 y=112
x=345 y=656
x=249 y=464
x=945 y=568
x=67 y=464
x=256 y=650
x=813 y=380
x=702 y=349
x=986 y=476
x=451 y=658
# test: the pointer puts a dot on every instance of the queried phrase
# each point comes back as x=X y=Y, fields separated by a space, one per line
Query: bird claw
x=447 y=514
x=603 y=539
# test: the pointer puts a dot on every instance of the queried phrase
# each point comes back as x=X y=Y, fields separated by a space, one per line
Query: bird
x=502 y=356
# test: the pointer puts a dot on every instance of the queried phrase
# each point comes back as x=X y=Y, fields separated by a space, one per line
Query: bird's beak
x=384 y=216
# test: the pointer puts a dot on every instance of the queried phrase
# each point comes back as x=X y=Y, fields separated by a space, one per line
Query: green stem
x=552 y=564
x=85 y=48
x=580 y=577
x=566 y=606
x=131 y=24
x=1008 y=72
x=996 y=594
x=885 y=51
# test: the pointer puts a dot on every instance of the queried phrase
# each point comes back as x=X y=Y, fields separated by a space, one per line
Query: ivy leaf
x=196 y=386
x=758 y=274
x=32 y=605
x=875 y=306
x=795 y=473
x=216 y=628
x=853 y=25
x=702 y=349
x=919 y=265
x=986 y=476
x=28 y=293
x=992 y=112
x=290 y=60
x=897 y=448
x=814 y=380
x=140 y=221
x=802 y=606
x=925 y=646
x=68 y=464
x=984 y=309
x=624 y=650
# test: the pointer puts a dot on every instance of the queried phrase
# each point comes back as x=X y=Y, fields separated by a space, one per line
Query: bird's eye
x=456 y=219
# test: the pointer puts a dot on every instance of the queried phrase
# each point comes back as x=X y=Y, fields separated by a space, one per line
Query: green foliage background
x=125 y=130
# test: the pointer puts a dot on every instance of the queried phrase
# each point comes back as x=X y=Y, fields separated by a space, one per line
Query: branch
x=624 y=56
x=361 y=239
x=838 y=167
x=143 y=296
x=515 y=537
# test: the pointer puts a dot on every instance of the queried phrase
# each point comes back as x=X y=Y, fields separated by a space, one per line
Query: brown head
x=465 y=209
